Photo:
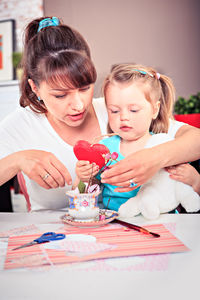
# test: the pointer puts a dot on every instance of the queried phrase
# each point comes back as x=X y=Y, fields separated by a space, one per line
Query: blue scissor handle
x=49 y=236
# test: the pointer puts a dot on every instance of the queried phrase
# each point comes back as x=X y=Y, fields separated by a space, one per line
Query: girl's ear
x=156 y=109
x=33 y=87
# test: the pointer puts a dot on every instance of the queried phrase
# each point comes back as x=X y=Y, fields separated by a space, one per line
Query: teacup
x=83 y=207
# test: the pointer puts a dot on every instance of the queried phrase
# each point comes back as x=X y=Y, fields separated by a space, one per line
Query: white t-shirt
x=24 y=130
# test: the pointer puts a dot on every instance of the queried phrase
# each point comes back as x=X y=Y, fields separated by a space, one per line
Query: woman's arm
x=184 y=148
x=36 y=164
x=142 y=165
x=8 y=168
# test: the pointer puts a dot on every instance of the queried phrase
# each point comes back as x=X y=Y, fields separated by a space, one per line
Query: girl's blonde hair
x=156 y=87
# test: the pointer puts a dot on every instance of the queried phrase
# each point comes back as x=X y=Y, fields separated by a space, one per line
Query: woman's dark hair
x=58 y=55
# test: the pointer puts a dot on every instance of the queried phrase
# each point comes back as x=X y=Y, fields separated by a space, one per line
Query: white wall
x=22 y=11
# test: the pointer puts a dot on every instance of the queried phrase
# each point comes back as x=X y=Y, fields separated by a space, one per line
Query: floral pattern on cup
x=83 y=207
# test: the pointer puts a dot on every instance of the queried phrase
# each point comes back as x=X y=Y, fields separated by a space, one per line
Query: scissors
x=45 y=238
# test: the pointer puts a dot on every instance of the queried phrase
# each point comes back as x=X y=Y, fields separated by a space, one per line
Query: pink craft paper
x=124 y=242
x=19 y=231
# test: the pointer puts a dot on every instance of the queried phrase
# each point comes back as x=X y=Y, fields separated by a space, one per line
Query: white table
x=180 y=279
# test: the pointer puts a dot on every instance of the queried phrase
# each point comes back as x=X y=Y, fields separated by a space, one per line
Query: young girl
x=139 y=102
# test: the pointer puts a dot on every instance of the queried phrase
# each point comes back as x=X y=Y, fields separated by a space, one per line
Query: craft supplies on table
x=44 y=238
x=85 y=244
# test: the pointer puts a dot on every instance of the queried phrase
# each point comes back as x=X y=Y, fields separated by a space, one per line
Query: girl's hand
x=186 y=174
x=85 y=170
x=44 y=168
x=138 y=167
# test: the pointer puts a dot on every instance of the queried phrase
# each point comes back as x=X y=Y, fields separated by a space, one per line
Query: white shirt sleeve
x=174 y=126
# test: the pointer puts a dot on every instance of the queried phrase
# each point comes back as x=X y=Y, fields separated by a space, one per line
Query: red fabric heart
x=92 y=153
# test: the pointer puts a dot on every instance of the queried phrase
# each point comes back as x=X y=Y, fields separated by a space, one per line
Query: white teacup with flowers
x=84 y=206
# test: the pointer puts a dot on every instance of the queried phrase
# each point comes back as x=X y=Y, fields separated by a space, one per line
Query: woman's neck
x=130 y=146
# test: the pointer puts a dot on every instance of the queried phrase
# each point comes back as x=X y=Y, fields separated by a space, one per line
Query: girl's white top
x=24 y=130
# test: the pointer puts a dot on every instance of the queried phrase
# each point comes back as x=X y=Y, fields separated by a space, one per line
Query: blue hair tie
x=143 y=72
x=54 y=21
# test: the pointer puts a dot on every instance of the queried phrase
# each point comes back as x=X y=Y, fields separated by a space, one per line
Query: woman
x=57 y=110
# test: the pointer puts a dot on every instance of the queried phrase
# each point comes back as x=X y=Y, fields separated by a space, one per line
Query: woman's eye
x=85 y=88
x=60 y=96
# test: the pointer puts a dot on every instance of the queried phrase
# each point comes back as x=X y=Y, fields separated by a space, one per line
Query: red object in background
x=92 y=153
x=191 y=119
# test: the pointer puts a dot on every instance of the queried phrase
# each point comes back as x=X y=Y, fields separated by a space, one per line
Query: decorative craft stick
x=137 y=228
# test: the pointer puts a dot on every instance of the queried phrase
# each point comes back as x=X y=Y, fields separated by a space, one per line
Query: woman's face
x=129 y=112
x=69 y=106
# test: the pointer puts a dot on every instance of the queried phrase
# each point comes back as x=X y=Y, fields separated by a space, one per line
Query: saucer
x=110 y=215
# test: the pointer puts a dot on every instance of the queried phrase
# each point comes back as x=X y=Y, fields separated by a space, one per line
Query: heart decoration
x=91 y=152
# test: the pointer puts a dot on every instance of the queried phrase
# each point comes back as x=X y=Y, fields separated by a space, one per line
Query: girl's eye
x=133 y=110
x=114 y=111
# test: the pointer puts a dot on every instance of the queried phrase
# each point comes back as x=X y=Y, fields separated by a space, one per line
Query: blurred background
x=163 y=34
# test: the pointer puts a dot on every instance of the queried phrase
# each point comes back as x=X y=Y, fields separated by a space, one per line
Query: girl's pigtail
x=167 y=99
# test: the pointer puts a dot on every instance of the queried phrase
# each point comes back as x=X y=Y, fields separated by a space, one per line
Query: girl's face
x=69 y=106
x=129 y=113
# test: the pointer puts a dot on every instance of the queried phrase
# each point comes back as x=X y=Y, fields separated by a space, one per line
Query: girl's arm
x=36 y=164
x=142 y=165
x=186 y=174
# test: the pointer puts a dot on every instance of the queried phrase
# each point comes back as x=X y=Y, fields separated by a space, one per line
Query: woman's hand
x=84 y=170
x=138 y=167
x=186 y=174
x=44 y=168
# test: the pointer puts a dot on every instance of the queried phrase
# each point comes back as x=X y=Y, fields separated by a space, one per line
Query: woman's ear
x=156 y=109
x=33 y=87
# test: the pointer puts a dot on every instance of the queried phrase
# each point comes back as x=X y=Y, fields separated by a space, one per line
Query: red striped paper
x=124 y=242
